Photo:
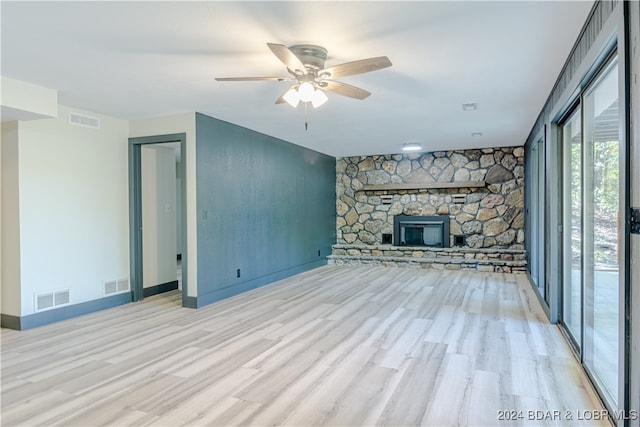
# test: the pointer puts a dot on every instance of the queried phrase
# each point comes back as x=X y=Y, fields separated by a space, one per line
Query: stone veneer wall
x=490 y=217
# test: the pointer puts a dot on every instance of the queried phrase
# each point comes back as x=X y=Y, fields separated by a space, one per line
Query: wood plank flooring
x=339 y=345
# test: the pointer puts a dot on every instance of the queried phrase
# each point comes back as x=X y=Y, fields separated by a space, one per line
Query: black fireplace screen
x=430 y=231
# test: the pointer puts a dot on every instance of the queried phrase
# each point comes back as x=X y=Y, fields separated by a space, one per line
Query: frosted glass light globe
x=306 y=91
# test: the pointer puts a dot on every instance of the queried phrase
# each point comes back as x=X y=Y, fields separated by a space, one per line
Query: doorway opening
x=157 y=215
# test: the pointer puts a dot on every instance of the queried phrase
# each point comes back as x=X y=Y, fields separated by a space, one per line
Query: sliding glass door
x=573 y=230
x=601 y=213
x=592 y=227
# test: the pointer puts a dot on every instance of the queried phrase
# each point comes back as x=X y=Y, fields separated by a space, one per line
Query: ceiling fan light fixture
x=306 y=91
x=411 y=146
x=292 y=97
x=306 y=65
x=318 y=99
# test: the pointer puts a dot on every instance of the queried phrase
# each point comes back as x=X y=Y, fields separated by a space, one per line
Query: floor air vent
x=83 y=120
x=48 y=300
x=123 y=285
x=110 y=288
x=116 y=286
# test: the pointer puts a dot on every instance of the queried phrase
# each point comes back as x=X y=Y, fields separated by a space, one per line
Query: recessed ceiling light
x=469 y=106
x=476 y=134
x=411 y=146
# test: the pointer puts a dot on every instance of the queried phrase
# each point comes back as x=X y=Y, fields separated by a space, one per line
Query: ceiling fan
x=305 y=63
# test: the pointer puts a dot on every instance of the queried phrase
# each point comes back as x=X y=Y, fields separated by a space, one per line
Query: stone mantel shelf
x=424 y=185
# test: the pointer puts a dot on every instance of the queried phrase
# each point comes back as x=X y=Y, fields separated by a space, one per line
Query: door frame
x=135 y=210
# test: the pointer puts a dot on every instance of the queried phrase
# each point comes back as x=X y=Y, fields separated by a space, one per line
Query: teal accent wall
x=266 y=207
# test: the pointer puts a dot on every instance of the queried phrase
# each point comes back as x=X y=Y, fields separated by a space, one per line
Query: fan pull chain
x=306 y=124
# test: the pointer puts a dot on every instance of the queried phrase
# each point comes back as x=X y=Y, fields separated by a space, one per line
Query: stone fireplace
x=480 y=191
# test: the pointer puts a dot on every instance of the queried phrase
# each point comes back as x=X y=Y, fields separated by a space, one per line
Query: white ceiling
x=136 y=60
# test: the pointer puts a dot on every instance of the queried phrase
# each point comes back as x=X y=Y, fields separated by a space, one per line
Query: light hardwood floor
x=338 y=345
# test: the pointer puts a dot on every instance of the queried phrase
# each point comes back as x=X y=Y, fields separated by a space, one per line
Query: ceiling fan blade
x=252 y=79
x=287 y=57
x=356 y=67
x=345 y=89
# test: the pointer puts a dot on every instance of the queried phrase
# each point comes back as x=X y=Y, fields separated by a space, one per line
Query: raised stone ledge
x=488 y=259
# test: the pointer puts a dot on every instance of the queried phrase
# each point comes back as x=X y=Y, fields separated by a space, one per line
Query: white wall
x=178 y=124
x=10 y=222
x=158 y=215
x=73 y=207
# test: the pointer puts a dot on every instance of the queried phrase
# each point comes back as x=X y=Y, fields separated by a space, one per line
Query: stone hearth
x=484 y=259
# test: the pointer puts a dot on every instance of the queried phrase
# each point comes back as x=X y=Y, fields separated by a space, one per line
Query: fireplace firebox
x=433 y=231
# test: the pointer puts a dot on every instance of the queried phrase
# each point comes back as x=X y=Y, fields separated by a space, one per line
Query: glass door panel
x=540 y=224
x=535 y=222
x=602 y=231
x=533 y=218
x=572 y=236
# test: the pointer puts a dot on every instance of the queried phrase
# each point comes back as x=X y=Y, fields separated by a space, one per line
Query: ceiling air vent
x=83 y=120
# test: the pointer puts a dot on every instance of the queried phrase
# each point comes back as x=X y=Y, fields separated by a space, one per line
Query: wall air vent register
x=78 y=119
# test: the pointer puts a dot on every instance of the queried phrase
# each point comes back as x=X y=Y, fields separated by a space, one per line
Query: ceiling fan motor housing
x=312 y=56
